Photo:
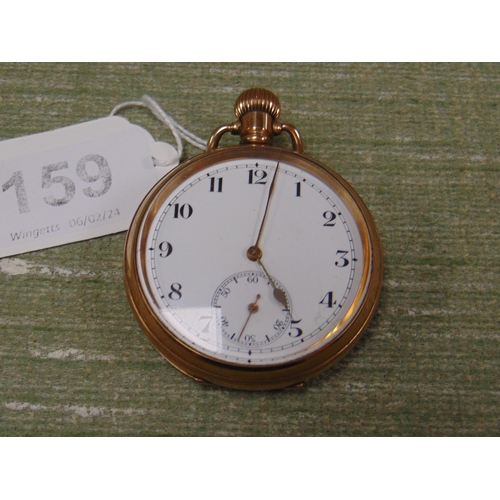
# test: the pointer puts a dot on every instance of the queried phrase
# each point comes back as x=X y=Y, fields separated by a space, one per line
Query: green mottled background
x=420 y=143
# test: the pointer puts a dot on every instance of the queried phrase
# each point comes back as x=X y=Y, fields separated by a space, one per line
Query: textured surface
x=420 y=143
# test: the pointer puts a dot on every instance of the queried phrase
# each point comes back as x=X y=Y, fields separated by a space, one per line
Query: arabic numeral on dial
x=103 y=174
x=343 y=262
x=18 y=182
x=298 y=331
x=175 y=293
x=330 y=217
x=222 y=322
x=278 y=325
x=216 y=185
x=165 y=249
x=207 y=325
x=257 y=177
x=298 y=189
x=184 y=211
x=328 y=300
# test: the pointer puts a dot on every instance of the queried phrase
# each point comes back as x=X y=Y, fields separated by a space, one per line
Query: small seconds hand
x=252 y=309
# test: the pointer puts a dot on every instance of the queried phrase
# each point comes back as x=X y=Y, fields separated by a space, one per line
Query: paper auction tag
x=72 y=184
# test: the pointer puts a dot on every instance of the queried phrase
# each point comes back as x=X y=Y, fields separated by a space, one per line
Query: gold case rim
x=203 y=368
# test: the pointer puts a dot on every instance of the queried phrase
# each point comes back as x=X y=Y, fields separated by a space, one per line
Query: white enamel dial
x=198 y=280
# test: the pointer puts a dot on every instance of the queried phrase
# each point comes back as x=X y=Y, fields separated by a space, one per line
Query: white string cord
x=178 y=131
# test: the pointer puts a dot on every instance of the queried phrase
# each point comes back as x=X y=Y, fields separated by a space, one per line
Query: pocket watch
x=253 y=266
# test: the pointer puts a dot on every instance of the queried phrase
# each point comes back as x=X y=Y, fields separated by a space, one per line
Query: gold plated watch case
x=257 y=111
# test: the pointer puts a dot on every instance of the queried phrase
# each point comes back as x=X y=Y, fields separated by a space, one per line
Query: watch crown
x=257 y=100
x=256 y=111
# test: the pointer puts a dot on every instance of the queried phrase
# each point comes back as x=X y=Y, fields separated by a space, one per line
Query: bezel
x=201 y=366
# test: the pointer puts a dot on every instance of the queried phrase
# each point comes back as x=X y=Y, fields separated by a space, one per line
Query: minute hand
x=254 y=252
x=269 y=196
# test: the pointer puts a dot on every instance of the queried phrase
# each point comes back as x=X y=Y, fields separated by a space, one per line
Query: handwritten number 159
x=48 y=180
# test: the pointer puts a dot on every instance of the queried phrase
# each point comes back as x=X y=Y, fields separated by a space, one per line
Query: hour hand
x=278 y=294
x=254 y=253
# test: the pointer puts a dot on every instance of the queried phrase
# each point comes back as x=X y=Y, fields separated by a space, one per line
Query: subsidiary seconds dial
x=247 y=312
